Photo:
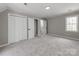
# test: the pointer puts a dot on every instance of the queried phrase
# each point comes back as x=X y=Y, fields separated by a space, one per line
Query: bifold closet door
x=17 y=28
x=20 y=28
x=30 y=28
x=11 y=29
x=24 y=28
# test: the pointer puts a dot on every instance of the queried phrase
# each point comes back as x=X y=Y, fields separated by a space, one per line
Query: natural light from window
x=72 y=24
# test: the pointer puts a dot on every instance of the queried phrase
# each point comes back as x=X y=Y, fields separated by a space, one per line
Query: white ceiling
x=2 y=7
x=38 y=9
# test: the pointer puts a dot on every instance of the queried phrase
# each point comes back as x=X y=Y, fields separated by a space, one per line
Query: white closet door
x=24 y=28
x=21 y=28
x=11 y=29
x=17 y=28
x=30 y=28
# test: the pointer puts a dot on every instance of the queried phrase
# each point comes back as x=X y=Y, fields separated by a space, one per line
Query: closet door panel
x=11 y=29
x=21 y=28
x=24 y=28
x=30 y=28
x=17 y=28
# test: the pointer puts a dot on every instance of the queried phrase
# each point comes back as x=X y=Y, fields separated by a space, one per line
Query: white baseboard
x=10 y=43
x=63 y=36
x=4 y=45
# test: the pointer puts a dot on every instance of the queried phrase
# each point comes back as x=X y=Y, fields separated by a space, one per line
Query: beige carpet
x=42 y=46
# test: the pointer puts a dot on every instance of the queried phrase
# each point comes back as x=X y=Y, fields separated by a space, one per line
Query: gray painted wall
x=56 y=25
x=3 y=27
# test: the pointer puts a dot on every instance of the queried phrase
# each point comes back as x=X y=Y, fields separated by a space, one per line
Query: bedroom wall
x=3 y=27
x=56 y=25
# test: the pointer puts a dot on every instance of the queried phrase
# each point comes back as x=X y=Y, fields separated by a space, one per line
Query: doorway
x=36 y=27
x=40 y=27
x=43 y=27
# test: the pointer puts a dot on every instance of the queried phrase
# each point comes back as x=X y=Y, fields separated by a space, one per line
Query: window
x=72 y=24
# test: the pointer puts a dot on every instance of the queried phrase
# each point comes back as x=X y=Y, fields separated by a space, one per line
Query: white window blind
x=72 y=24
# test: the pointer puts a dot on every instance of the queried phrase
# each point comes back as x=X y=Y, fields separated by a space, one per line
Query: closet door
x=20 y=28
x=24 y=28
x=30 y=28
x=17 y=28
x=11 y=29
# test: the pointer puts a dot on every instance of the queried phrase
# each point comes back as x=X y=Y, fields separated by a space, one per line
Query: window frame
x=76 y=24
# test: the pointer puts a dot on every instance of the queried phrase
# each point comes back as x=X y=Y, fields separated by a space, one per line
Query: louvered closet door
x=17 y=28
x=24 y=28
x=30 y=28
x=20 y=28
x=11 y=29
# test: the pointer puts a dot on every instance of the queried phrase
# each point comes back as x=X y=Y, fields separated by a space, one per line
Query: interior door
x=11 y=29
x=30 y=28
x=24 y=28
x=17 y=28
x=21 y=28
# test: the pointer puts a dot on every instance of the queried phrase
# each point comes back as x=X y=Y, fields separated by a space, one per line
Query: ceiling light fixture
x=47 y=8
x=25 y=4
